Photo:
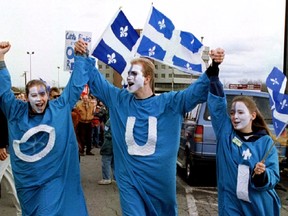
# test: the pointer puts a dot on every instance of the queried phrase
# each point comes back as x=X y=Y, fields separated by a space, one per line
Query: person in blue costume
x=146 y=131
x=245 y=177
x=42 y=144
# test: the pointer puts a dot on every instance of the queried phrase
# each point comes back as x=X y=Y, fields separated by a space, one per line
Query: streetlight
x=58 y=76
x=25 y=77
x=30 y=53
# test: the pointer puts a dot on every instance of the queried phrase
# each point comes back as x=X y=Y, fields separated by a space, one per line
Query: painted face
x=38 y=98
x=135 y=78
x=241 y=117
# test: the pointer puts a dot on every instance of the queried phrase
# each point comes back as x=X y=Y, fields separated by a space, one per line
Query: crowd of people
x=132 y=127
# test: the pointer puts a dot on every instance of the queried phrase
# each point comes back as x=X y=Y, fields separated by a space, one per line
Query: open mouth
x=130 y=84
x=40 y=105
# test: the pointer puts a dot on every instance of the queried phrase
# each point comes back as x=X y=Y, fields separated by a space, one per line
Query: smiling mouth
x=39 y=105
x=130 y=84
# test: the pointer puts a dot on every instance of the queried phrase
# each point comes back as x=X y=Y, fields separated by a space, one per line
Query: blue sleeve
x=100 y=87
x=220 y=119
x=79 y=78
x=196 y=93
x=8 y=102
x=271 y=176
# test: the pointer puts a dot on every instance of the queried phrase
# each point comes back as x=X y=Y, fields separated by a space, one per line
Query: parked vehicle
x=198 y=141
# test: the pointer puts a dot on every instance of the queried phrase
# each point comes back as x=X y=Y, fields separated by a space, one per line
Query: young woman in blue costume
x=245 y=182
x=42 y=144
x=146 y=131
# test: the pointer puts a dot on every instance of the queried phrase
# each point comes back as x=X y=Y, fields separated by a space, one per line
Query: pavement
x=101 y=200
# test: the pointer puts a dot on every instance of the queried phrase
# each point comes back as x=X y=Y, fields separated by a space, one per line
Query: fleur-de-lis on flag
x=111 y=58
x=162 y=24
x=152 y=51
x=124 y=31
x=274 y=81
x=188 y=66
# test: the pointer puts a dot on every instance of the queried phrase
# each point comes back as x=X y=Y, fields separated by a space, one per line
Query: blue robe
x=263 y=199
x=44 y=150
x=145 y=139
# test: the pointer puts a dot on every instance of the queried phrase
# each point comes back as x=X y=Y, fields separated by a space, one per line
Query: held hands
x=81 y=47
x=4 y=48
x=217 y=55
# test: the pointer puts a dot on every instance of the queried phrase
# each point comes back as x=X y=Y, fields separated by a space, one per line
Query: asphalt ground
x=103 y=200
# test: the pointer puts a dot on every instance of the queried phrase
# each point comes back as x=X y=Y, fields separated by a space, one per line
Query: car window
x=262 y=104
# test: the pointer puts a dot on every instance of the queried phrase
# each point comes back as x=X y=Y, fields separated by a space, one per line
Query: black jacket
x=3 y=131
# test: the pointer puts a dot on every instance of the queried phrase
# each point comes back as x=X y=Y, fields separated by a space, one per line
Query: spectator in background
x=102 y=114
x=95 y=124
x=84 y=128
x=106 y=153
x=6 y=175
x=76 y=118
x=54 y=93
x=21 y=96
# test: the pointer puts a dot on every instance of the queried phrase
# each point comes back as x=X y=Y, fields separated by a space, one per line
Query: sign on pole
x=71 y=37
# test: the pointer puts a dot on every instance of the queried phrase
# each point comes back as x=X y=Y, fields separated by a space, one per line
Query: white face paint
x=135 y=78
x=38 y=98
x=241 y=117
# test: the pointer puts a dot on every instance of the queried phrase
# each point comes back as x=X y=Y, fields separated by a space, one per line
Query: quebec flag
x=276 y=84
x=160 y=41
x=114 y=47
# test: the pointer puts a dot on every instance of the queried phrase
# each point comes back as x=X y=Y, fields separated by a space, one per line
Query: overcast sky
x=250 y=31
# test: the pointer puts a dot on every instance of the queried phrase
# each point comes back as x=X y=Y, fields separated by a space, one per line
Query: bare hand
x=80 y=46
x=3 y=154
x=217 y=55
x=4 y=48
x=259 y=168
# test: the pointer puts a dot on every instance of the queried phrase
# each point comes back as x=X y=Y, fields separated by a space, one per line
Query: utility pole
x=25 y=77
x=58 y=77
x=30 y=54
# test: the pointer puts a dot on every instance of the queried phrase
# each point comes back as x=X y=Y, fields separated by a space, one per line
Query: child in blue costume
x=146 y=131
x=245 y=182
x=43 y=146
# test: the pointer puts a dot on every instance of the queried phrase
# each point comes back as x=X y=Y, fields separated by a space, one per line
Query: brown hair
x=259 y=122
x=32 y=83
x=148 y=68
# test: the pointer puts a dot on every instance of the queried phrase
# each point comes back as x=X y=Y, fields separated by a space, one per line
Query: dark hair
x=32 y=83
x=259 y=122
x=54 y=89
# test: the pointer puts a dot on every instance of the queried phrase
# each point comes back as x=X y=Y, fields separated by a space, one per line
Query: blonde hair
x=148 y=68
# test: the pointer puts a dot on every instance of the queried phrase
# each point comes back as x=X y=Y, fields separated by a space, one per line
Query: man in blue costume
x=146 y=131
x=245 y=180
x=42 y=144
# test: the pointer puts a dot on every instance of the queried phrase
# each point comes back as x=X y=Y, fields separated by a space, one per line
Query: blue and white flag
x=160 y=41
x=116 y=43
x=276 y=84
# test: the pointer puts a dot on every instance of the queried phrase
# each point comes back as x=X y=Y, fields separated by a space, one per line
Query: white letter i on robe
x=150 y=145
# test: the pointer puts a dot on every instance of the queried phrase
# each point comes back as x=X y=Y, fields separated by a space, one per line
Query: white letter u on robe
x=150 y=145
